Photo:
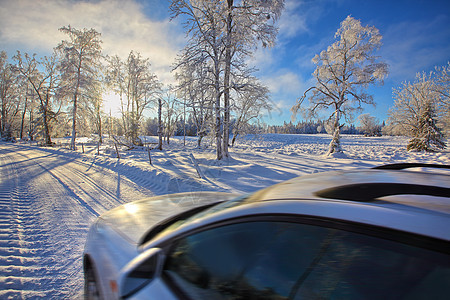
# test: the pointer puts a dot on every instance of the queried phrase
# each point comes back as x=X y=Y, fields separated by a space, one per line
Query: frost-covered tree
x=196 y=92
x=142 y=89
x=94 y=109
x=204 y=48
x=248 y=24
x=137 y=86
x=115 y=80
x=79 y=65
x=170 y=113
x=221 y=34
x=441 y=78
x=251 y=101
x=415 y=114
x=343 y=72
x=426 y=136
x=43 y=79
x=8 y=96
x=369 y=125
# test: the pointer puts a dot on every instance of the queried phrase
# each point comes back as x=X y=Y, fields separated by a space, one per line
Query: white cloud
x=291 y=22
x=284 y=82
x=32 y=26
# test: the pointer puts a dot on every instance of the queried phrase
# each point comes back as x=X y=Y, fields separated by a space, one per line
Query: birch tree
x=44 y=85
x=170 y=113
x=369 y=125
x=194 y=88
x=142 y=88
x=80 y=63
x=115 y=80
x=205 y=47
x=251 y=101
x=248 y=24
x=221 y=35
x=137 y=86
x=343 y=72
x=94 y=108
x=8 y=96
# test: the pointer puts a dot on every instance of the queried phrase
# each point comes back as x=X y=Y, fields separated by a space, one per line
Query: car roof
x=403 y=203
x=422 y=190
x=406 y=209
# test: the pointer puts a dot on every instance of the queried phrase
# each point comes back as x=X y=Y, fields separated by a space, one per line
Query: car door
x=286 y=257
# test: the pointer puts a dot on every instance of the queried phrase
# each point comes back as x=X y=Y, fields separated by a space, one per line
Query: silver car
x=378 y=233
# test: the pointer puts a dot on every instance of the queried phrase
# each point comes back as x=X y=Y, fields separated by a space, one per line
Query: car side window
x=283 y=260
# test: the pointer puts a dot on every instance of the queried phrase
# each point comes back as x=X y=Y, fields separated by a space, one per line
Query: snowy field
x=50 y=196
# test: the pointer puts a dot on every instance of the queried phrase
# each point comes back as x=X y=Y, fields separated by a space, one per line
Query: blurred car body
x=358 y=234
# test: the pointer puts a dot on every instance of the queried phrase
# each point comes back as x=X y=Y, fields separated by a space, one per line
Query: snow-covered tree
x=205 y=48
x=248 y=24
x=137 y=86
x=142 y=89
x=115 y=80
x=94 y=108
x=79 y=64
x=43 y=79
x=426 y=136
x=221 y=35
x=369 y=125
x=194 y=87
x=441 y=78
x=415 y=114
x=343 y=72
x=170 y=113
x=251 y=101
x=9 y=102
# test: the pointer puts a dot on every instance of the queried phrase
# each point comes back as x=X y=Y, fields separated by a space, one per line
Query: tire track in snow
x=21 y=275
x=47 y=203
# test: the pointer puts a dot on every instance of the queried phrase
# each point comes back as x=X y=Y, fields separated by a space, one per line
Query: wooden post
x=149 y=156
x=82 y=147
x=160 y=129
x=197 y=167
x=117 y=151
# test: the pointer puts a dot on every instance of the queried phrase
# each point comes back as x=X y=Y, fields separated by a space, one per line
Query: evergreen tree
x=427 y=136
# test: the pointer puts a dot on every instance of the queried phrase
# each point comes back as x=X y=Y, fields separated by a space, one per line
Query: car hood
x=134 y=219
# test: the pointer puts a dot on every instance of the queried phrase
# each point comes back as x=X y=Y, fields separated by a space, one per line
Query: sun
x=111 y=103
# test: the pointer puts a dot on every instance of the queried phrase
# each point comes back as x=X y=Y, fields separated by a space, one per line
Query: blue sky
x=416 y=37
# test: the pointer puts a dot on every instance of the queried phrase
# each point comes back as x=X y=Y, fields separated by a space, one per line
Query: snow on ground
x=50 y=196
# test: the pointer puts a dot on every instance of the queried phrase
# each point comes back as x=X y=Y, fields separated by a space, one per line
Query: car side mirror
x=140 y=271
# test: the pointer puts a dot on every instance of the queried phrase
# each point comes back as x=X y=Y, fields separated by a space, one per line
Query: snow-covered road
x=47 y=203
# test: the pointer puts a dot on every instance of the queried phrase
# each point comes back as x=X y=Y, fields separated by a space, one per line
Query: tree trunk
x=234 y=139
x=3 y=120
x=100 y=131
x=31 y=129
x=44 y=108
x=160 y=129
x=22 y=124
x=226 y=104
x=75 y=106
x=218 y=123
x=335 y=144
x=199 y=141
x=218 y=129
x=74 y=124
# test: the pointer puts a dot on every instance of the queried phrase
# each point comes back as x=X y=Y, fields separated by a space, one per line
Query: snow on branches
x=343 y=72
x=421 y=110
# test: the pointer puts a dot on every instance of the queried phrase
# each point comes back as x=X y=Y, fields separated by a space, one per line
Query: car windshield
x=191 y=215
